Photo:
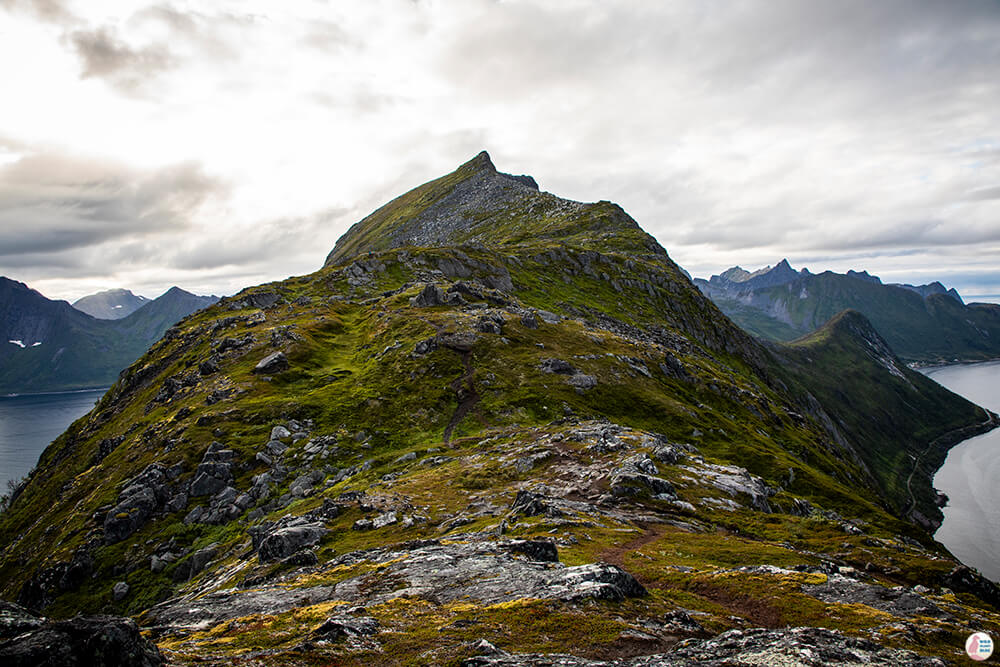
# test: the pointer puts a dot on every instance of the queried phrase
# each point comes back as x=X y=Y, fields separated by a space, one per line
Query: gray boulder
x=557 y=366
x=430 y=295
x=582 y=382
x=119 y=591
x=214 y=473
x=272 y=363
x=338 y=627
x=284 y=542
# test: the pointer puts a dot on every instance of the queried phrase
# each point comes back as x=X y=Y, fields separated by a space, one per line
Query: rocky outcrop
x=27 y=640
x=486 y=571
x=141 y=497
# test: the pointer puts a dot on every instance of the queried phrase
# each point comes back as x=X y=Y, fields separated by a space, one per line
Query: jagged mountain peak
x=480 y=206
x=736 y=274
x=175 y=292
x=864 y=275
x=739 y=279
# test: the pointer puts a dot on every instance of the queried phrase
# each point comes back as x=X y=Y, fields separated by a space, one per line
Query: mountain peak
x=112 y=304
x=482 y=161
x=478 y=205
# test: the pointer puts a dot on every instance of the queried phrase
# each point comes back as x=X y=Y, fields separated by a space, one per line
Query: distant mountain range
x=112 y=304
x=48 y=345
x=922 y=323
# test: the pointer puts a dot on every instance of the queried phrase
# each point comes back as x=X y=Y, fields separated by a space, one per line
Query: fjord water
x=29 y=423
x=970 y=475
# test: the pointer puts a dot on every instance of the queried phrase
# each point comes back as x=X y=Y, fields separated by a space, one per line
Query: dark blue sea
x=29 y=423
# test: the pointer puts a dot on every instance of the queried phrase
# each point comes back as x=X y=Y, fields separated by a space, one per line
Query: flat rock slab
x=488 y=572
x=896 y=601
x=789 y=647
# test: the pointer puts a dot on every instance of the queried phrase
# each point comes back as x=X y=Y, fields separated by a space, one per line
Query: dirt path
x=467 y=396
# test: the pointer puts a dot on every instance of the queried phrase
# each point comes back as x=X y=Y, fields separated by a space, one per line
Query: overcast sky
x=216 y=145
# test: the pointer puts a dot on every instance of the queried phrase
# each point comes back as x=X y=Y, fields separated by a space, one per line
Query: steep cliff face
x=494 y=425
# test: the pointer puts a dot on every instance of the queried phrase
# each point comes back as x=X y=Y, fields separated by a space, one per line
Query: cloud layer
x=174 y=143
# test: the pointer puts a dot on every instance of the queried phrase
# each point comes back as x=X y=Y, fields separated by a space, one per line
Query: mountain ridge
x=923 y=323
x=498 y=447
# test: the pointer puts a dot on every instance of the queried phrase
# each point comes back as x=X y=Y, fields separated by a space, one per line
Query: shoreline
x=921 y=366
x=55 y=393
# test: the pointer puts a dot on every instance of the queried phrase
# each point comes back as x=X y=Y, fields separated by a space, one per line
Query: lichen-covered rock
x=897 y=601
x=582 y=382
x=488 y=572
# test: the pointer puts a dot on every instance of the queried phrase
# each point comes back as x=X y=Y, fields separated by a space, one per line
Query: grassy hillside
x=546 y=441
x=902 y=425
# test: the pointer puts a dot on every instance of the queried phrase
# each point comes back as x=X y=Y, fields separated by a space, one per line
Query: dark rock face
x=195 y=563
x=967 y=580
x=432 y=295
x=99 y=641
x=214 y=473
x=557 y=366
x=537 y=550
x=897 y=601
x=49 y=582
x=528 y=503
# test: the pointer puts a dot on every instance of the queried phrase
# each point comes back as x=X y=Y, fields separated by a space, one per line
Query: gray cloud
x=105 y=56
x=329 y=37
x=984 y=193
x=50 y=11
x=270 y=238
x=51 y=203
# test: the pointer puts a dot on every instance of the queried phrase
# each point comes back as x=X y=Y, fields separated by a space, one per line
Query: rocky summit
x=497 y=427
